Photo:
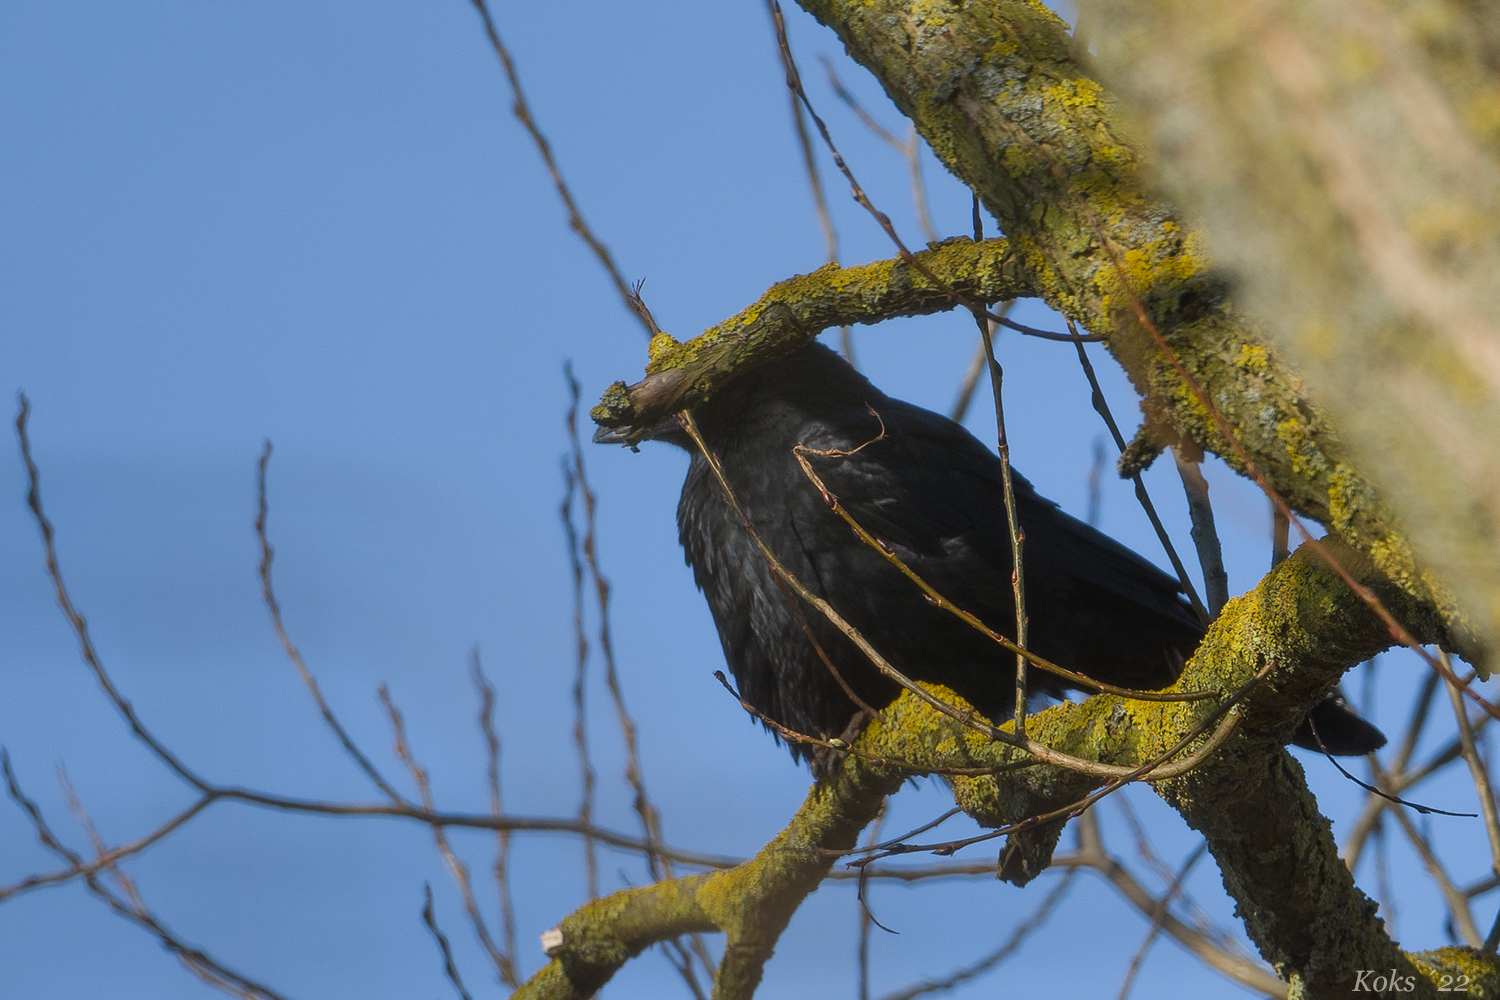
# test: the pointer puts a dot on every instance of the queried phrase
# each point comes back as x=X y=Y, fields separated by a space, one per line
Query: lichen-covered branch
x=1279 y=861
x=751 y=903
x=794 y=311
x=996 y=93
x=1345 y=157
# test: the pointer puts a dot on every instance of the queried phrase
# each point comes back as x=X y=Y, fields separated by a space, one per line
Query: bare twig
x=1158 y=917
x=456 y=865
x=1205 y=535
x=268 y=594
x=794 y=82
x=659 y=865
x=1477 y=772
x=76 y=619
x=107 y=858
x=449 y=969
x=522 y=111
x=1482 y=789
x=815 y=183
x=1012 y=517
x=1074 y=677
x=976 y=368
x=866 y=918
x=1091 y=854
x=509 y=973
x=1013 y=524
x=1101 y=406
x=197 y=961
x=580 y=638
x=1009 y=947
x=1458 y=903
x=910 y=149
x=1396 y=774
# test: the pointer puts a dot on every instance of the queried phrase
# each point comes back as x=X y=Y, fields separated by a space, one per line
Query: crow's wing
x=929 y=487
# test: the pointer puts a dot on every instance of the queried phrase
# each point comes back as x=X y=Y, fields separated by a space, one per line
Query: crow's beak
x=613 y=435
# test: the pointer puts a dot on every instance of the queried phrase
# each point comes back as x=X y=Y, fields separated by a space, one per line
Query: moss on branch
x=1276 y=852
x=794 y=311
x=996 y=93
x=750 y=903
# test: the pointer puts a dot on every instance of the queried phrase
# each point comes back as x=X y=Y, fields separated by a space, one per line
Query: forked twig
x=455 y=864
x=1205 y=535
x=196 y=960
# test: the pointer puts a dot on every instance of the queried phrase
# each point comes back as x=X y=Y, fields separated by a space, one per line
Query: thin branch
x=509 y=973
x=1012 y=522
x=1205 y=535
x=449 y=969
x=659 y=865
x=815 y=183
x=109 y=857
x=866 y=918
x=1458 y=903
x=1012 y=519
x=1396 y=774
x=976 y=368
x=197 y=961
x=76 y=619
x=1008 y=948
x=1074 y=677
x=580 y=639
x=1482 y=789
x=456 y=866
x=268 y=594
x=1091 y=854
x=910 y=149
x=1158 y=917
x=1101 y=407
x=522 y=111
x=794 y=81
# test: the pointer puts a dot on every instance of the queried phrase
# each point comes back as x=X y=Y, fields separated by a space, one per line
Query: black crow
x=929 y=489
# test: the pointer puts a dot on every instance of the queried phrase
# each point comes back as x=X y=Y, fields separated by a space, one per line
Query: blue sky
x=318 y=224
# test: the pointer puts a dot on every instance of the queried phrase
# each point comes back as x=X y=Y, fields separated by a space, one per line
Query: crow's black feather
x=930 y=490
